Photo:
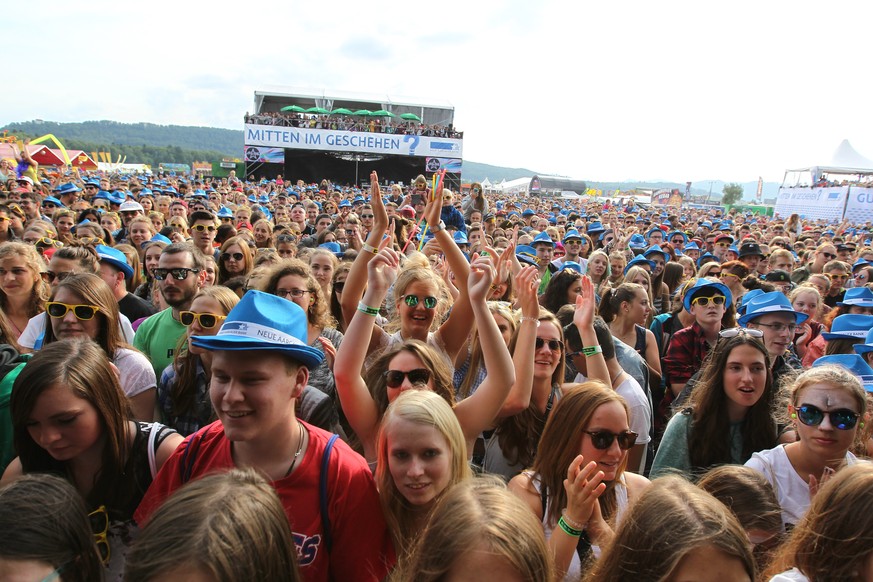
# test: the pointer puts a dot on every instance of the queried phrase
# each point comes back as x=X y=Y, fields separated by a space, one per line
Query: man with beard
x=180 y=275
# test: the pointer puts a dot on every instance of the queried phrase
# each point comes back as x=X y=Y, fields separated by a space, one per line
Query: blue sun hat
x=595 y=228
x=637 y=241
x=655 y=250
x=461 y=238
x=849 y=326
x=224 y=212
x=639 y=261
x=867 y=346
x=572 y=233
x=705 y=284
x=261 y=321
x=772 y=302
x=706 y=258
x=692 y=246
x=860 y=296
x=851 y=362
x=115 y=258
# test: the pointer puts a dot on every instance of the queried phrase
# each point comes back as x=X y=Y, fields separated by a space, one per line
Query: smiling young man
x=203 y=227
x=260 y=366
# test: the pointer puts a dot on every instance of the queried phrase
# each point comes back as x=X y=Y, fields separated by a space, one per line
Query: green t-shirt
x=157 y=337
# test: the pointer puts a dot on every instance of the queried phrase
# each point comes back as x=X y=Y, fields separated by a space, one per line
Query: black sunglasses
x=417 y=377
x=843 y=418
x=234 y=256
x=829 y=256
x=179 y=274
x=554 y=345
x=206 y=320
x=50 y=276
x=602 y=439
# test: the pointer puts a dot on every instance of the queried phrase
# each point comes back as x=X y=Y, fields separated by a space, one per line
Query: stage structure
x=311 y=135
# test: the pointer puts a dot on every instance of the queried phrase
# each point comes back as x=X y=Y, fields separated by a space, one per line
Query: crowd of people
x=228 y=379
x=369 y=123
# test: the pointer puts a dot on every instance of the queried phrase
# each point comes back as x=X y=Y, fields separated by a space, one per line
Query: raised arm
x=457 y=327
x=478 y=412
x=519 y=396
x=357 y=279
x=355 y=398
x=583 y=318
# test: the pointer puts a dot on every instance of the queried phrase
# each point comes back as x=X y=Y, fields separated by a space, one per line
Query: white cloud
x=631 y=90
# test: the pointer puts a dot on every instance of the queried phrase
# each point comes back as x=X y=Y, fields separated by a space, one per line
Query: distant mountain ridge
x=229 y=142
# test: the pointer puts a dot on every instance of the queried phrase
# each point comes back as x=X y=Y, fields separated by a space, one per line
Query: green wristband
x=567 y=529
x=591 y=351
x=367 y=309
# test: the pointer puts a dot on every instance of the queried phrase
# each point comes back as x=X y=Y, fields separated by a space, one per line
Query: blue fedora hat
x=595 y=228
x=860 y=296
x=637 y=241
x=867 y=346
x=543 y=238
x=224 y=212
x=572 y=266
x=706 y=258
x=861 y=263
x=114 y=257
x=772 y=302
x=572 y=233
x=655 y=250
x=639 y=261
x=333 y=247
x=744 y=301
x=851 y=362
x=705 y=284
x=461 y=238
x=526 y=254
x=692 y=246
x=849 y=326
x=53 y=200
x=261 y=321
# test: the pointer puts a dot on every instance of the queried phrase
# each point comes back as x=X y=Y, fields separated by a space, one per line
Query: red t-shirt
x=362 y=548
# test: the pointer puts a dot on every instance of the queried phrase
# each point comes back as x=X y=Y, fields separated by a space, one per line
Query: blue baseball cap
x=261 y=321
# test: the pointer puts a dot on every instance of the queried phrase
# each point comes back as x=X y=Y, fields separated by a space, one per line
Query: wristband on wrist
x=374 y=311
x=572 y=522
x=526 y=318
x=592 y=350
x=567 y=529
x=438 y=227
x=369 y=248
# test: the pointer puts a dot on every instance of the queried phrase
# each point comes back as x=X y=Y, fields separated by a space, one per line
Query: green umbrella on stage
x=341 y=111
x=294 y=108
x=410 y=116
x=364 y=112
x=321 y=110
x=382 y=113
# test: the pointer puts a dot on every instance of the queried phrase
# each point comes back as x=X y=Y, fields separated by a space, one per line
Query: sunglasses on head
x=430 y=302
x=202 y=227
x=417 y=377
x=603 y=439
x=229 y=256
x=734 y=332
x=704 y=301
x=179 y=274
x=57 y=310
x=842 y=419
x=206 y=320
x=554 y=345
x=289 y=238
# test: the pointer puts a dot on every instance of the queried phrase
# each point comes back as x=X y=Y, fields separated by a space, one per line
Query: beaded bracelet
x=526 y=318
x=369 y=247
x=569 y=530
x=592 y=350
x=367 y=309
x=572 y=522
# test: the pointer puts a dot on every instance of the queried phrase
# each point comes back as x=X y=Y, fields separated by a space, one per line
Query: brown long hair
x=559 y=444
x=709 y=441
x=519 y=435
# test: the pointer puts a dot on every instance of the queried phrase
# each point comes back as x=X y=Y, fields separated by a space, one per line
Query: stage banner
x=451 y=166
x=860 y=206
x=264 y=155
x=351 y=141
x=812 y=203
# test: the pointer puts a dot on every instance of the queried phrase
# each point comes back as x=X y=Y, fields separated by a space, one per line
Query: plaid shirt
x=685 y=355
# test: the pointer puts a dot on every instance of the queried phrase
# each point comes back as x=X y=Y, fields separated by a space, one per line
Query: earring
x=793 y=415
x=862 y=424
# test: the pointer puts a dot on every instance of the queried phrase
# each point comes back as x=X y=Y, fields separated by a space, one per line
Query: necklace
x=299 y=449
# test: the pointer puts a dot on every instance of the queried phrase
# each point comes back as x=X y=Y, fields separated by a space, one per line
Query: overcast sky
x=594 y=90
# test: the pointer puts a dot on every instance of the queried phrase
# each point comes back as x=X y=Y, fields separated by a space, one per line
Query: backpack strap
x=152 y=447
x=322 y=493
x=189 y=455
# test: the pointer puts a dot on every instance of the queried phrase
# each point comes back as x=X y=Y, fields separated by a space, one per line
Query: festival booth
x=39 y=153
x=841 y=189
x=78 y=159
x=295 y=133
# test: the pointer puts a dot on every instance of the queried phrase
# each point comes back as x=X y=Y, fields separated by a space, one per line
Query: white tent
x=845 y=160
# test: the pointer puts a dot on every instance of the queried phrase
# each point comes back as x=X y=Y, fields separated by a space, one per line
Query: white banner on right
x=860 y=206
x=812 y=203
